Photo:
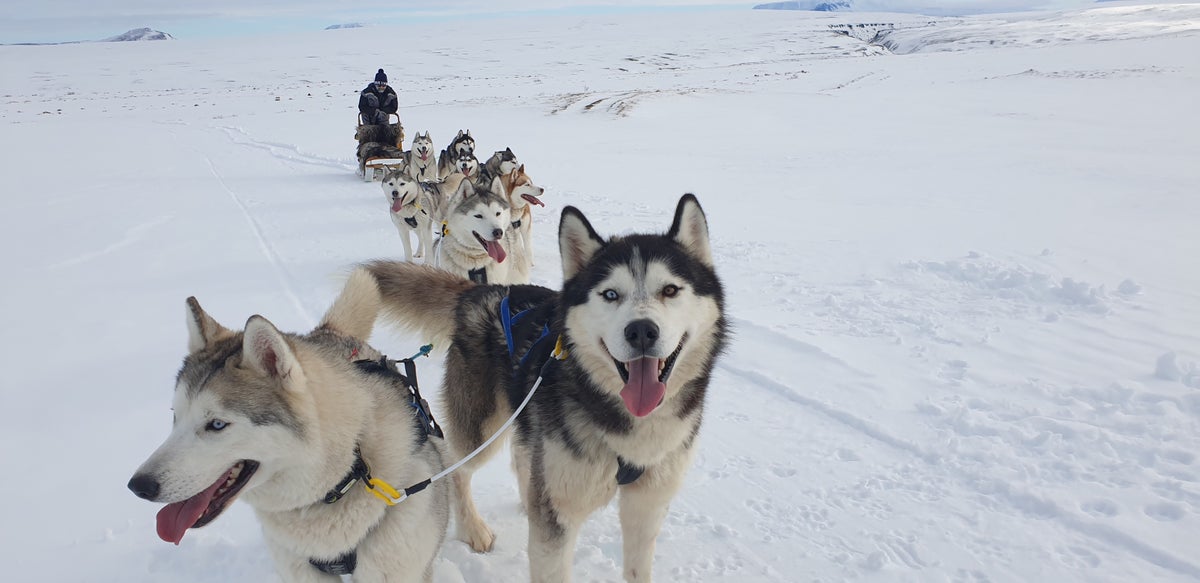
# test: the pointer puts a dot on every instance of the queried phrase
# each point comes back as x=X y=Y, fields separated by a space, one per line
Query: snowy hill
x=960 y=279
x=139 y=34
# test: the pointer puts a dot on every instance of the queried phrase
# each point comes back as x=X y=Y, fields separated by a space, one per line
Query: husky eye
x=216 y=425
x=479 y=216
x=670 y=291
x=610 y=295
x=497 y=214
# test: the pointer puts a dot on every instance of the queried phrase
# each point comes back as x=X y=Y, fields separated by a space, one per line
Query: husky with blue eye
x=296 y=426
x=641 y=319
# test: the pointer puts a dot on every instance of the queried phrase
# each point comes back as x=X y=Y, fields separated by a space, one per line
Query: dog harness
x=345 y=563
x=627 y=473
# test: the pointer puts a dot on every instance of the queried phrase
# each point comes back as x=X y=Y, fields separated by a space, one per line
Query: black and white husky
x=462 y=143
x=641 y=319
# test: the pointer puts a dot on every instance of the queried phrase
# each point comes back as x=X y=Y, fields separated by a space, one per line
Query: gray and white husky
x=641 y=318
x=501 y=163
x=472 y=243
x=414 y=206
x=462 y=143
x=293 y=425
x=421 y=162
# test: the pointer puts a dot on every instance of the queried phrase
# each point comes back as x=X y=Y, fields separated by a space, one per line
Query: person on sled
x=377 y=101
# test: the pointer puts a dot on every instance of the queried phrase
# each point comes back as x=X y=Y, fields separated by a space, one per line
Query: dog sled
x=380 y=147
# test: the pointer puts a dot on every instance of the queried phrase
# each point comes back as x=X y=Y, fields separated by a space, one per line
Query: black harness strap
x=358 y=471
x=627 y=473
x=428 y=423
x=343 y=565
x=478 y=276
x=412 y=221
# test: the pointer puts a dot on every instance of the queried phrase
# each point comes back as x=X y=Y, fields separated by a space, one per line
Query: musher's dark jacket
x=371 y=99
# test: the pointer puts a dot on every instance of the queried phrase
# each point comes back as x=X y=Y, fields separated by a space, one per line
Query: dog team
x=598 y=387
x=481 y=213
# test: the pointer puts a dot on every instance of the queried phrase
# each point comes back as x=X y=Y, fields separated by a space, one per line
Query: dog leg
x=644 y=505
x=471 y=527
x=293 y=568
x=426 y=235
x=520 y=466
x=408 y=255
x=563 y=491
x=551 y=551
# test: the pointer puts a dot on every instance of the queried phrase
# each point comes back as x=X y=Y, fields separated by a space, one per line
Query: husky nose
x=144 y=487
x=497 y=233
x=641 y=334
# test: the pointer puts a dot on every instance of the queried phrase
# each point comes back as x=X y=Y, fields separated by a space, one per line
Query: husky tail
x=418 y=297
x=355 y=310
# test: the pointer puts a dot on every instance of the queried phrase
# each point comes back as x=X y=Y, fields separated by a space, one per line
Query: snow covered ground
x=963 y=281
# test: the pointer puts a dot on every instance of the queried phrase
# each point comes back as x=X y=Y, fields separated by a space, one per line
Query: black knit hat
x=381 y=77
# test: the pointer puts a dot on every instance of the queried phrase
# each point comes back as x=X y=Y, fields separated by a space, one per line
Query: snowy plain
x=962 y=279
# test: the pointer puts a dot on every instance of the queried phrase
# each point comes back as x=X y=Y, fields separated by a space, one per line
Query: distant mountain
x=133 y=35
x=350 y=25
x=833 y=6
x=139 y=34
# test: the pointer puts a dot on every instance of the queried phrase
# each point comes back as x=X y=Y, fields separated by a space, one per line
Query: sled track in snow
x=1019 y=500
x=285 y=281
x=285 y=152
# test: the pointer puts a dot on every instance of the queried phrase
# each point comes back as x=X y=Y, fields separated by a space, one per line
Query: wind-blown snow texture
x=962 y=282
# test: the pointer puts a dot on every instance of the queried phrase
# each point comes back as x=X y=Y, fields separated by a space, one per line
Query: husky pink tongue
x=495 y=250
x=177 y=517
x=533 y=199
x=643 y=391
x=397 y=204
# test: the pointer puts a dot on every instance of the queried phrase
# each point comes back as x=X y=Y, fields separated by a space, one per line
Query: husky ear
x=521 y=169
x=690 y=229
x=202 y=329
x=465 y=189
x=468 y=133
x=459 y=134
x=497 y=187
x=577 y=241
x=508 y=151
x=266 y=351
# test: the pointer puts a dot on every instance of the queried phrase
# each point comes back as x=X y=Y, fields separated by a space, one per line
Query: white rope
x=494 y=436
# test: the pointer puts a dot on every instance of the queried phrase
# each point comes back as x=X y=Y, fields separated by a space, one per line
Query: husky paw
x=479 y=537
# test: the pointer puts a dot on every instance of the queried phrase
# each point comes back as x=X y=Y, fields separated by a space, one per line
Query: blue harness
x=507 y=321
